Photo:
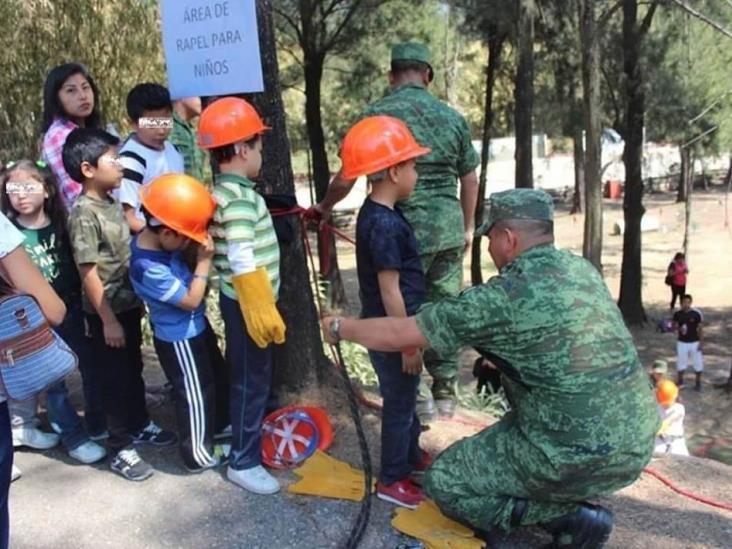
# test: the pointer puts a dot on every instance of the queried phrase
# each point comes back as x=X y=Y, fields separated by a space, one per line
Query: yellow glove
x=435 y=530
x=257 y=303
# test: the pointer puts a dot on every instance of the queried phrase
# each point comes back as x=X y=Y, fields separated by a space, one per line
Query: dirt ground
x=60 y=504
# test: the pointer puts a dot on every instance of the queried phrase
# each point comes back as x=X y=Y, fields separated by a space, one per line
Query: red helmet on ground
x=666 y=392
x=290 y=435
x=228 y=120
x=181 y=203
x=376 y=143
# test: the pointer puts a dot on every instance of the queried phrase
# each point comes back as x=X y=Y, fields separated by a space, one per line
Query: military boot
x=444 y=394
x=588 y=527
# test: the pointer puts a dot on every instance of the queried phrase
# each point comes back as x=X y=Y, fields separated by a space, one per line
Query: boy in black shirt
x=690 y=336
x=391 y=283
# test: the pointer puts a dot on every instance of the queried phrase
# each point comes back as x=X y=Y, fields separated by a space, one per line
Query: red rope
x=686 y=493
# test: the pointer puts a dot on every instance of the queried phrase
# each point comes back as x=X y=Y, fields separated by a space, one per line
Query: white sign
x=211 y=47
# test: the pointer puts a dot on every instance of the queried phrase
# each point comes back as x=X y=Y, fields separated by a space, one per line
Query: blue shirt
x=385 y=241
x=161 y=280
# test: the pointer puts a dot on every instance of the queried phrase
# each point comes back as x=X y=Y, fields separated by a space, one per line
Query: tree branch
x=290 y=21
x=605 y=17
x=328 y=45
x=718 y=26
x=646 y=23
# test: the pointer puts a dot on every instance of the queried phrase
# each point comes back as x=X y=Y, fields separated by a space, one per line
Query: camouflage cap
x=411 y=51
x=659 y=366
x=517 y=204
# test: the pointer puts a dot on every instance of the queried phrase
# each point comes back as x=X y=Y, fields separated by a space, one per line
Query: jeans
x=400 y=426
x=251 y=369
x=120 y=370
x=6 y=465
x=73 y=332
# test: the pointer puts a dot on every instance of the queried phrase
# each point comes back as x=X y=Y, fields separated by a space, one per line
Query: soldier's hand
x=325 y=326
x=318 y=213
x=412 y=362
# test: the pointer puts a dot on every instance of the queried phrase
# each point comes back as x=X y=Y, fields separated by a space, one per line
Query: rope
x=358 y=529
x=687 y=493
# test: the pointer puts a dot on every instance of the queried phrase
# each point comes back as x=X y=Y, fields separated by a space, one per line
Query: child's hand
x=412 y=363
x=114 y=334
x=206 y=250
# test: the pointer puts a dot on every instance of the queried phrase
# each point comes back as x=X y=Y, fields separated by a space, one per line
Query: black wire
x=362 y=520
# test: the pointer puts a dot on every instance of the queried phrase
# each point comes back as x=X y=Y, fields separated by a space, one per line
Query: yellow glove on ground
x=257 y=303
x=326 y=476
x=435 y=530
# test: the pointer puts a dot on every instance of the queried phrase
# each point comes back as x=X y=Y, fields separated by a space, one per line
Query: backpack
x=32 y=356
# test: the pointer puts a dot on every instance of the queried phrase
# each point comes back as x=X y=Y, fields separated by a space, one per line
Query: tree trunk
x=684 y=175
x=524 y=94
x=592 y=242
x=300 y=360
x=689 y=183
x=329 y=270
x=495 y=49
x=728 y=184
x=579 y=171
x=631 y=279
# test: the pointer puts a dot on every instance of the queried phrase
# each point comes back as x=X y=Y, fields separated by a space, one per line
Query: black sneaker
x=220 y=455
x=130 y=465
x=588 y=527
x=152 y=434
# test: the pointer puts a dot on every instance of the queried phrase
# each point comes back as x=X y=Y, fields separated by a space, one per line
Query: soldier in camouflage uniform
x=183 y=136
x=442 y=223
x=583 y=417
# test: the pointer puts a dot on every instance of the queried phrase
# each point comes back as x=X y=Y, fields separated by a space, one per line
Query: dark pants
x=6 y=466
x=400 y=426
x=120 y=369
x=200 y=380
x=677 y=291
x=251 y=369
x=73 y=332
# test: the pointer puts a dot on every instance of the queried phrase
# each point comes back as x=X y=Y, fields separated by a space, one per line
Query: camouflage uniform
x=183 y=137
x=100 y=235
x=583 y=416
x=433 y=209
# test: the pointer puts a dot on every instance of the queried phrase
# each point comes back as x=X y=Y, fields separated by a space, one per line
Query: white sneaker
x=255 y=479
x=89 y=452
x=34 y=438
x=16 y=473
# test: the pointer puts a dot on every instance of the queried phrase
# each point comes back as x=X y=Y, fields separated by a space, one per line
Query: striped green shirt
x=244 y=238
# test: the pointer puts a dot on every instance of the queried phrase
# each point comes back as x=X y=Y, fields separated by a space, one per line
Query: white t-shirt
x=141 y=165
x=676 y=425
x=10 y=239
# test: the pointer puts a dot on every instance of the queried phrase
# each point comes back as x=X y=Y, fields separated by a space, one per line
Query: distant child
x=689 y=326
x=100 y=240
x=670 y=437
x=146 y=153
x=70 y=101
x=391 y=283
x=658 y=371
x=177 y=210
x=247 y=257
x=30 y=199
x=676 y=275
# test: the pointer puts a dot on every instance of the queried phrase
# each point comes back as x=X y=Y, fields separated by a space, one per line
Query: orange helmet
x=226 y=121
x=290 y=435
x=666 y=392
x=181 y=203
x=376 y=143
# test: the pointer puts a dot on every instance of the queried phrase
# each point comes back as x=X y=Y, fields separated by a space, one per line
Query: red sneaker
x=420 y=466
x=402 y=492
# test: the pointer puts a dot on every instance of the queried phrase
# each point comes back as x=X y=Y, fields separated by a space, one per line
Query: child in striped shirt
x=247 y=257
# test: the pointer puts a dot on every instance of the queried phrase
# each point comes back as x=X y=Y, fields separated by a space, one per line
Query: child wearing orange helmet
x=177 y=211
x=247 y=257
x=670 y=437
x=391 y=283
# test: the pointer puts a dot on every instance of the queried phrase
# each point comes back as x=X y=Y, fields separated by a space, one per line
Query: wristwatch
x=335 y=328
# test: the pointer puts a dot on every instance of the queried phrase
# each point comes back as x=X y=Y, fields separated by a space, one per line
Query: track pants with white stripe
x=201 y=385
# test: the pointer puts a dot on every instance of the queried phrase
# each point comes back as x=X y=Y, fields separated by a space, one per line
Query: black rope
x=362 y=520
